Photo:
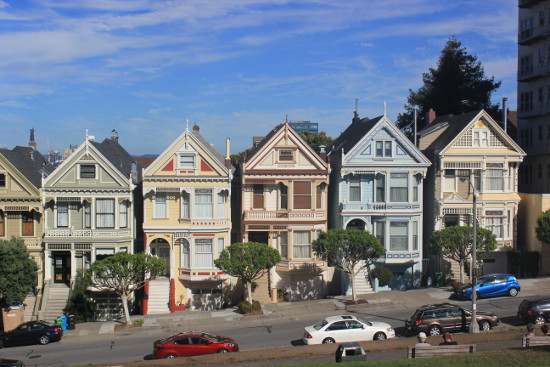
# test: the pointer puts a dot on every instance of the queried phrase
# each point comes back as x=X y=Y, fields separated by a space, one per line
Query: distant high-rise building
x=300 y=126
x=534 y=95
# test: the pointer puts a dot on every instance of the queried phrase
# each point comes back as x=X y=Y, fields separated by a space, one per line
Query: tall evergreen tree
x=456 y=86
x=17 y=272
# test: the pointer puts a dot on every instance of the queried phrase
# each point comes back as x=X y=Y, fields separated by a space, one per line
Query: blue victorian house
x=376 y=185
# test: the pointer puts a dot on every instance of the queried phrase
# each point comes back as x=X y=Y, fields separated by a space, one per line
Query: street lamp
x=474 y=327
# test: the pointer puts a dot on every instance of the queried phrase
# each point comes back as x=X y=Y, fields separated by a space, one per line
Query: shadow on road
x=148 y=357
x=297 y=342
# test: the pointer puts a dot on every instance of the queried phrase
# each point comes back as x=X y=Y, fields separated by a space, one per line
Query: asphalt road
x=135 y=345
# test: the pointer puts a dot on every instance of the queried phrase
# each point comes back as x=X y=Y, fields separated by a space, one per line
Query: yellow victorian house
x=471 y=154
x=187 y=223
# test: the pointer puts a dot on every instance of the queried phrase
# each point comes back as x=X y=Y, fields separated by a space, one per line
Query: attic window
x=187 y=161
x=286 y=154
x=2 y=180
x=87 y=171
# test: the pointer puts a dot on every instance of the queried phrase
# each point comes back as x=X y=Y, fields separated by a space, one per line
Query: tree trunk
x=352 y=278
x=249 y=291
x=124 y=299
x=461 y=264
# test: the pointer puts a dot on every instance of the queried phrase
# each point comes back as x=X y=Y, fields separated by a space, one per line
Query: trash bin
x=438 y=279
x=70 y=322
x=58 y=322
x=62 y=322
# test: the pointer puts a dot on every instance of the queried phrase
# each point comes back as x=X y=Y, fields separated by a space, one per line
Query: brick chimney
x=430 y=116
x=114 y=136
x=196 y=127
x=32 y=143
x=323 y=152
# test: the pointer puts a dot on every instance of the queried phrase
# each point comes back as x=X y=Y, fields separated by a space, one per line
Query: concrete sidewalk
x=412 y=298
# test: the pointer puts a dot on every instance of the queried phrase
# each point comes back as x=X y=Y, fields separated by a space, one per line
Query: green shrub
x=383 y=274
x=137 y=322
x=245 y=307
x=79 y=303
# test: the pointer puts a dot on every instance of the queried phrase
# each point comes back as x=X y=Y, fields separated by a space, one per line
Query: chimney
x=227 y=156
x=32 y=143
x=504 y=113
x=114 y=136
x=196 y=127
x=430 y=116
x=323 y=152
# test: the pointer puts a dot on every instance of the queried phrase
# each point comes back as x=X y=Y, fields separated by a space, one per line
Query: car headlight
x=389 y=329
x=230 y=345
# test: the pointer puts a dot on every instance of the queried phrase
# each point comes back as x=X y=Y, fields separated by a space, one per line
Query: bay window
x=398 y=236
x=203 y=203
x=123 y=214
x=282 y=244
x=62 y=214
x=27 y=223
x=222 y=200
x=355 y=188
x=258 y=197
x=105 y=213
x=380 y=229
x=302 y=195
x=185 y=253
x=301 y=245
x=2 y=224
x=494 y=177
x=494 y=222
x=203 y=253
x=185 y=209
x=399 y=187
x=380 y=188
x=87 y=214
x=160 y=204
x=283 y=197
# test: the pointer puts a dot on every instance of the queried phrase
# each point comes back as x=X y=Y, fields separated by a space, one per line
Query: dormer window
x=384 y=149
x=87 y=171
x=286 y=155
x=480 y=138
x=2 y=180
x=187 y=161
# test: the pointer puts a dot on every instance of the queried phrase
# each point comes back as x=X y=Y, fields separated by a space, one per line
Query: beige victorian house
x=471 y=153
x=283 y=186
x=187 y=223
x=21 y=212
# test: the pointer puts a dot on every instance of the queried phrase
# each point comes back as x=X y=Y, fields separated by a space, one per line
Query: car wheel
x=380 y=336
x=44 y=339
x=328 y=341
x=223 y=350
x=540 y=320
x=484 y=325
x=170 y=356
x=434 y=330
x=513 y=292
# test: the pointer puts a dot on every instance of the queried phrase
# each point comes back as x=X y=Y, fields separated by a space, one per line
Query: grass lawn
x=520 y=357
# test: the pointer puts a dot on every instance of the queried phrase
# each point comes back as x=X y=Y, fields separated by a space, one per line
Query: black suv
x=537 y=311
x=438 y=318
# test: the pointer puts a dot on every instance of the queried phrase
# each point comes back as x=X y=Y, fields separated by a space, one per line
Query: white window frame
x=492 y=219
x=480 y=138
x=187 y=163
x=282 y=244
x=301 y=247
x=399 y=224
x=160 y=205
x=354 y=188
x=383 y=150
x=101 y=215
x=185 y=205
x=222 y=204
x=204 y=209
x=123 y=214
x=204 y=253
x=65 y=205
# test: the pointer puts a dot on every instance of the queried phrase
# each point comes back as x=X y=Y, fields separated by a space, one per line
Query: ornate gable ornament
x=454 y=197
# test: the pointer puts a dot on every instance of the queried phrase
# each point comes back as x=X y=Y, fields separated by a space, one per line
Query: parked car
x=438 y=318
x=193 y=343
x=492 y=285
x=534 y=311
x=33 y=332
x=11 y=363
x=346 y=328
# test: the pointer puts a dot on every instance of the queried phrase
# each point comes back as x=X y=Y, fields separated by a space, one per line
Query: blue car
x=492 y=285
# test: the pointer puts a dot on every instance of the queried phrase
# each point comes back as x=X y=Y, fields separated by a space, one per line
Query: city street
x=276 y=331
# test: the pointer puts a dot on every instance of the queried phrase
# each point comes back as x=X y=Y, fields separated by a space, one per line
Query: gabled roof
x=210 y=148
x=354 y=133
x=116 y=155
x=452 y=124
x=263 y=142
x=29 y=162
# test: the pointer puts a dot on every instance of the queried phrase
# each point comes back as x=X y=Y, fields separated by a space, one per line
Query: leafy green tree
x=79 y=303
x=247 y=261
x=456 y=243
x=456 y=86
x=124 y=273
x=315 y=140
x=238 y=158
x=347 y=248
x=17 y=272
x=543 y=227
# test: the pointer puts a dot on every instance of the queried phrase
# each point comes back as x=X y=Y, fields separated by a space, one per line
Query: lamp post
x=474 y=327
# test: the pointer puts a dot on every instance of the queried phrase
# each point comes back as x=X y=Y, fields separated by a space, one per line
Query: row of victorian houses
x=189 y=203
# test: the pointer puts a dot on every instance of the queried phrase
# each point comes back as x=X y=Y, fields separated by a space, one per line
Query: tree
x=79 y=304
x=458 y=85
x=315 y=140
x=347 y=248
x=247 y=261
x=17 y=272
x=124 y=273
x=543 y=227
x=456 y=243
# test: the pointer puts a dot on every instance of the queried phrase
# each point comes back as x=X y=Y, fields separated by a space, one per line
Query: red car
x=193 y=343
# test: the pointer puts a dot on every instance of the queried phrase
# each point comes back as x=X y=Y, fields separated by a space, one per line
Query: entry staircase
x=260 y=290
x=362 y=281
x=56 y=302
x=29 y=302
x=159 y=296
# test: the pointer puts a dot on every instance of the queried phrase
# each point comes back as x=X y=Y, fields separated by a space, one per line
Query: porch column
x=73 y=263
x=47 y=266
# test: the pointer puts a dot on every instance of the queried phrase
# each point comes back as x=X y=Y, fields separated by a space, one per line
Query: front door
x=161 y=249
x=61 y=268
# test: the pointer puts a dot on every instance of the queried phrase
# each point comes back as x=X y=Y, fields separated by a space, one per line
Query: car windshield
x=320 y=324
x=212 y=337
x=416 y=315
x=365 y=322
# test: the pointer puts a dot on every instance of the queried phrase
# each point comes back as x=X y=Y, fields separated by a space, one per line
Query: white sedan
x=346 y=328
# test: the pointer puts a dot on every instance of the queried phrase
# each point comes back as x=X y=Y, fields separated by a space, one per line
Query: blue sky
x=236 y=67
